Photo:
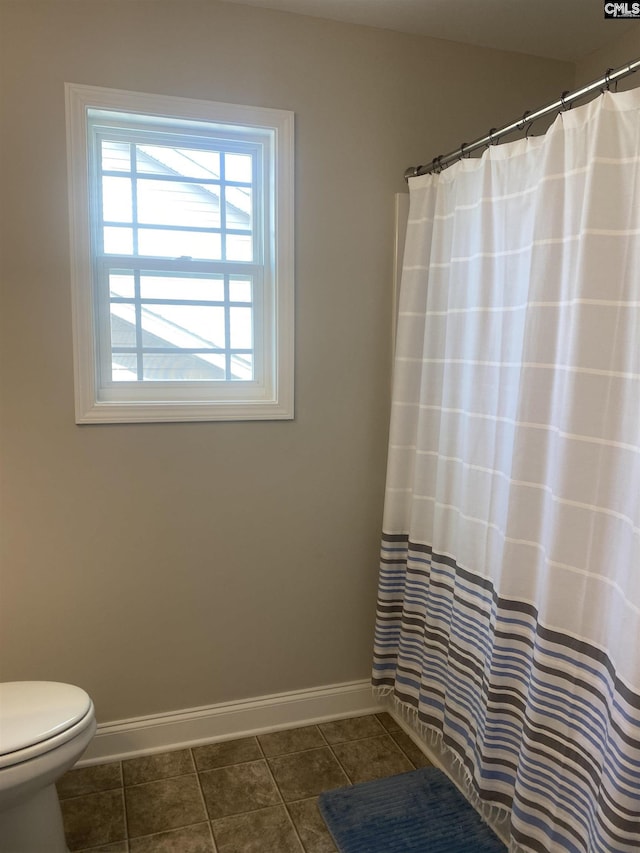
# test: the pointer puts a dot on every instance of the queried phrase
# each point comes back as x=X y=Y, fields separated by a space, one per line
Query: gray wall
x=616 y=54
x=167 y=566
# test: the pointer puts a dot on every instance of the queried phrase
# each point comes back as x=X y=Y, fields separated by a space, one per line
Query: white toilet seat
x=36 y=749
x=56 y=713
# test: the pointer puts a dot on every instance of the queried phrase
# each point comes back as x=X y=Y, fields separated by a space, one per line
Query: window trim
x=275 y=401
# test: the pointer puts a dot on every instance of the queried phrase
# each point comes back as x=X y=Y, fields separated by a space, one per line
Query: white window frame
x=270 y=395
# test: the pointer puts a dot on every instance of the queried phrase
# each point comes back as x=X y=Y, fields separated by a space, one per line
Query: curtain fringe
x=463 y=780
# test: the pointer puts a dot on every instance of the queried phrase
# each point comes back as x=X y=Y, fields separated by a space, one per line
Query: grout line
x=260 y=747
x=247 y=811
x=162 y=779
x=213 y=840
x=295 y=751
x=324 y=737
x=195 y=770
x=404 y=752
x=202 y=797
x=90 y=794
x=159 y=832
x=285 y=804
x=124 y=806
x=349 y=780
x=295 y=828
x=340 y=764
x=204 y=802
x=270 y=771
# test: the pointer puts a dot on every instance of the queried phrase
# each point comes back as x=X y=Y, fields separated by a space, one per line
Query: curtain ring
x=523 y=120
x=607 y=81
x=492 y=141
x=462 y=147
x=566 y=105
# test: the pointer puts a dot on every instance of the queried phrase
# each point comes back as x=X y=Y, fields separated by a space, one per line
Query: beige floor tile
x=94 y=819
x=90 y=780
x=413 y=753
x=306 y=774
x=165 y=804
x=312 y=829
x=240 y=788
x=265 y=831
x=188 y=839
x=164 y=765
x=372 y=758
x=388 y=722
x=291 y=740
x=338 y=731
x=213 y=755
x=162 y=803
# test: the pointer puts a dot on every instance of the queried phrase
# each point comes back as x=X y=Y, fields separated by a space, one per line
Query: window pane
x=238 y=167
x=178 y=244
x=121 y=284
x=238 y=208
x=116 y=156
x=239 y=247
x=124 y=367
x=188 y=162
x=242 y=367
x=186 y=326
x=182 y=367
x=118 y=241
x=182 y=287
x=217 y=361
x=177 y=203
x=116 y=200
x=239 y=290
x=240 y=328
x=123 y=325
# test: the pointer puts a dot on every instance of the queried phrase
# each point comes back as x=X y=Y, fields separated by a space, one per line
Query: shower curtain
x=508 y=619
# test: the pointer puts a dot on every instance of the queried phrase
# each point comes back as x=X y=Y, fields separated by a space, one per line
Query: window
x=182 y=258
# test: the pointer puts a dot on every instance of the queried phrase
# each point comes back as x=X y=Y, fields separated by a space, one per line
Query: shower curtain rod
x=565 y=102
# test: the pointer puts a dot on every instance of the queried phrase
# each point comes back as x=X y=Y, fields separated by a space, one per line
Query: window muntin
x=184 y=199
x=190 y=257
x=203 y=321
x=174 y=199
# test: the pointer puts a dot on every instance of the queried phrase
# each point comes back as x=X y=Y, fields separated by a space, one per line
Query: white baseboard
x=228 y=720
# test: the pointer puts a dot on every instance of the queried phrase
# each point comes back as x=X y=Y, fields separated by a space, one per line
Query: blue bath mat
x=416 y=812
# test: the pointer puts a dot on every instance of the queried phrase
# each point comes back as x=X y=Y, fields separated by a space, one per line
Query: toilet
x=45 y=727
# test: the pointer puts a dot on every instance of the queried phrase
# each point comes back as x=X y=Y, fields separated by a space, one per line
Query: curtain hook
x=523 y=122
x=566 y=105
x=462 y=148
x=607 y=81
x=492 y=141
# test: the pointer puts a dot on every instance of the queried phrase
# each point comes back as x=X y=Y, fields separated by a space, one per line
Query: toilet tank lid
x=33 y=711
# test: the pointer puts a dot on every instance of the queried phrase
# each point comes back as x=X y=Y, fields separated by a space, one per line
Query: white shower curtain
x=509 y=597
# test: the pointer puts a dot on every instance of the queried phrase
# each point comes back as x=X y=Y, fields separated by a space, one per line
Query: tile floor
x=252 y=795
